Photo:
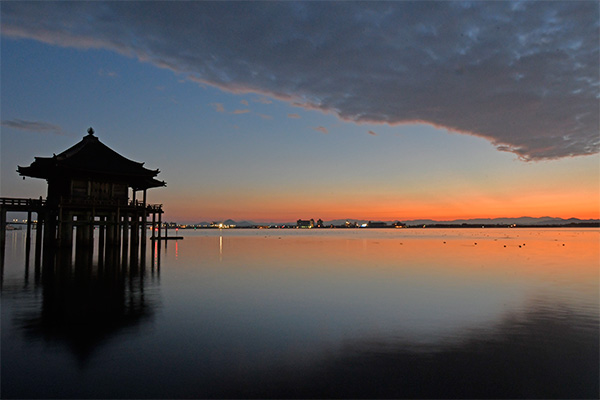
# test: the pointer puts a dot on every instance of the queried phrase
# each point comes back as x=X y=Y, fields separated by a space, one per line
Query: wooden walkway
x=122 y=226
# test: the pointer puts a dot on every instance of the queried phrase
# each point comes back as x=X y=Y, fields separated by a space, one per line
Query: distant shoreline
x=426 y=226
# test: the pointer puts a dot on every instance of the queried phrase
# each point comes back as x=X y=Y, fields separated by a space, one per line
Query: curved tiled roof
x=92 y=158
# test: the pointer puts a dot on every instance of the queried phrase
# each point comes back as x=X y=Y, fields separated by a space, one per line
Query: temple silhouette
x=88 y=189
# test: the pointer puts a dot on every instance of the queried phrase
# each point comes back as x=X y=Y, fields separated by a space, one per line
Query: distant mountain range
x=506 y=221
x=542 y=221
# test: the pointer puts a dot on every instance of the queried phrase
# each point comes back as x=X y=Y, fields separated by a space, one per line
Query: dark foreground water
x=497 y=313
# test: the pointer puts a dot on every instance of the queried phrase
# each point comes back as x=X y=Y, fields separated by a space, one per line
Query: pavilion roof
x=91 y=158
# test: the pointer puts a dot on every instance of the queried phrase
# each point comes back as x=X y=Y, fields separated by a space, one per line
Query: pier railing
x=11 y=201
x=20 y=204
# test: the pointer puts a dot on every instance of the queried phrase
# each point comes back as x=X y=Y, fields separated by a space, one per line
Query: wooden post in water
x=135 y=236
x=144 y=227
x=39 y=229
x=2 y=231
x=101 y=233
x=112 y=225
x=28 y=238
x=125 y=237
x=159 y=225
x=153 y=224
x=117 y=245
x=2 y=237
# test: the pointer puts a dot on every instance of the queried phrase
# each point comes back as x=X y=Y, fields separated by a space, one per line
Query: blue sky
x=310 y=117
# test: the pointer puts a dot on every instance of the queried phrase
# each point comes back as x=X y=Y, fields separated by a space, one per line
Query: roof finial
x=90 y=131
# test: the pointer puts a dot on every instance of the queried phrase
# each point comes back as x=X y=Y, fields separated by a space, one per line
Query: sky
x=275 y=111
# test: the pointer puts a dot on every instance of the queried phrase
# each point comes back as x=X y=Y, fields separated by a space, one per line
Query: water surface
x=313 y=313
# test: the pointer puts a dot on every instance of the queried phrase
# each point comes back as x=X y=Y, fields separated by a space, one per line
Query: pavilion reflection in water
x=83 y=304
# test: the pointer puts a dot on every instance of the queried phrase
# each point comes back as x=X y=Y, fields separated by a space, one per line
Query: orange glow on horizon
x=276 y=210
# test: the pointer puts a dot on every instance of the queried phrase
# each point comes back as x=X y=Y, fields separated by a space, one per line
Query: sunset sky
x=276 y=111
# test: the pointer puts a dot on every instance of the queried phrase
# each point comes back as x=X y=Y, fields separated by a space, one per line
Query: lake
x=390 y=313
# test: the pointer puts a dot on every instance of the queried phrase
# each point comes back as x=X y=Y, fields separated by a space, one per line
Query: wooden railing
x=11 y=201
x=87 y=201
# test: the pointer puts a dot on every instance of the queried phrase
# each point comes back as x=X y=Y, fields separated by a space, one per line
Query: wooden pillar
x=112 y=226
x=2 y=237
x=28 y=237
x=135 y=236
x=66 y=236
x=82 y=239
x=153 y=223
x=159 y=244
x=66 y=230
x=49 y=243
x=39 y=229
x=125 y=234
x=92 y=224
x=118 y=231
x=144 y=227
x=101 y=233
x=2 y=229
x=49 y=234
x=159 y=224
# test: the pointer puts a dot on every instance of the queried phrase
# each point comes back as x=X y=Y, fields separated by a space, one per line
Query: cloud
x=294 y=116
x=263 y=100
x=321 y=129
x=110 y=74
x=265 y=116
x=372 y=133
x=244 y=102
x=33 y=126
x=218 y=107
x=523 y=75
x=240 y=111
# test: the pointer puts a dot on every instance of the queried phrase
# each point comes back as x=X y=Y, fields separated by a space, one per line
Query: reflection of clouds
x=523 y=75
x=547 y=351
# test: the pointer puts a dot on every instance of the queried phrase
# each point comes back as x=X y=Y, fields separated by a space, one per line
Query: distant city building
x=376 y=225
x=319 y=223
x=302 y=223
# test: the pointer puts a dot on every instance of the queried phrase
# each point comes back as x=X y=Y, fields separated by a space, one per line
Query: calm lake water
x=497 y=313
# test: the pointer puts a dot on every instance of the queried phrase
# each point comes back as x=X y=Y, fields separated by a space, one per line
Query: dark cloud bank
x=524 y=75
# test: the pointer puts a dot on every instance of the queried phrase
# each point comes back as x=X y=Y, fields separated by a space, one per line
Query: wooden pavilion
x=88 y=188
